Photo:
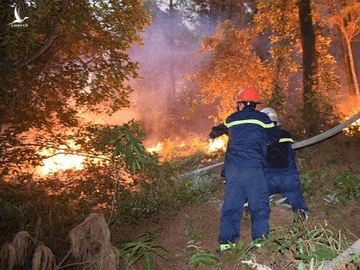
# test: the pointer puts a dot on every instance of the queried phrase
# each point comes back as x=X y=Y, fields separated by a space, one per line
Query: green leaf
x=302 y=248
x=203 y=258
x=147 y=261
x=304 y=257
x=301 y=266
x=326 y=254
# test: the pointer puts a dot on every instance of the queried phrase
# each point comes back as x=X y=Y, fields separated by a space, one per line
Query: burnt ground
x=321 y=162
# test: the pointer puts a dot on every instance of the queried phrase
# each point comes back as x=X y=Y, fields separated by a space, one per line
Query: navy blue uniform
x=248 y=132
x=284 y=178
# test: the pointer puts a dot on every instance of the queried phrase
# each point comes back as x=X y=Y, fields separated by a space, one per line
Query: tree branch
x=12 y=64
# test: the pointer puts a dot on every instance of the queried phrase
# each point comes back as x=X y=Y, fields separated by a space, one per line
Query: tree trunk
x=343 y=46
x=352 y=65
x=309 y=64
x=349 y=75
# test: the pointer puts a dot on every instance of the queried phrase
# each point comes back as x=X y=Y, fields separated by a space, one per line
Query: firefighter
x=248 y=131
x=280 y=171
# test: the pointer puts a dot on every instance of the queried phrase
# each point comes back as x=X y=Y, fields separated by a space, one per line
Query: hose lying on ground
x=295 y=145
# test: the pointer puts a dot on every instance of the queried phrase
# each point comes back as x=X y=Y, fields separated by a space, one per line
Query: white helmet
x=272 y=114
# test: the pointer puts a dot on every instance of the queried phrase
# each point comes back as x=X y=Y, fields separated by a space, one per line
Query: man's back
x=247 y=130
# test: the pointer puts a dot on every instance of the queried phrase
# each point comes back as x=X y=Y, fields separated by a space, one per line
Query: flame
x=61 y=162
x=169 y=149
x=350 y=110
x=349 y=131
x=156 y=148
x=217 y=144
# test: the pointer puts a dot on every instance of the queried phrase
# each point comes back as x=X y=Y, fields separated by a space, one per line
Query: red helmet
x=248 y=94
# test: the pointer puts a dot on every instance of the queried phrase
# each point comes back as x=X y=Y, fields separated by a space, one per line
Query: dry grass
x=23 y=245
x=20 y=252
x=7 y=257
x=43 y=259
x=90 y=241
x=108 y=258
x=89 y=237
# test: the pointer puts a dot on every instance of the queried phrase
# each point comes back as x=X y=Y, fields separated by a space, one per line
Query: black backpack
x=278 y=154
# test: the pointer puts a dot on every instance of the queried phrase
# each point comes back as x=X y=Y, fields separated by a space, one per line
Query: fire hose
x=326 y=134
x=296 y=145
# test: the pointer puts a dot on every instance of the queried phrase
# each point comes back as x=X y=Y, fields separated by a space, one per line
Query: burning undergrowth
x=177 y=149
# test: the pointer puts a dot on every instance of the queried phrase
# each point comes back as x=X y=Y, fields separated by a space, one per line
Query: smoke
x=161 y=98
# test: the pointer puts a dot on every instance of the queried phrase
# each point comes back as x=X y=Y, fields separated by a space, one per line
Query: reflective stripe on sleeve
x=249 y=121
x=286 y=140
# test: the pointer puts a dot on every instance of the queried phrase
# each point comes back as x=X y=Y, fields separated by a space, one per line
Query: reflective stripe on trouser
x=242 y=185
x=224 y=247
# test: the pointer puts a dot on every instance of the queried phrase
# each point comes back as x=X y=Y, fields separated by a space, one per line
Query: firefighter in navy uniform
x=280 y=171
x=248 y=131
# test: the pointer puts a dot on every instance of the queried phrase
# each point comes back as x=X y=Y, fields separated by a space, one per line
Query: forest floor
x=319 y=164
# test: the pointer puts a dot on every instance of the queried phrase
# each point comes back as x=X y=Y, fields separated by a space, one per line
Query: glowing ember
x=349 y=130
x=61 y=162
x=349 y=108
x=218 y=143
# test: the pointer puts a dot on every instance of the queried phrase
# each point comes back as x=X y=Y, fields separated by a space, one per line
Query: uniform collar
x=248 y=109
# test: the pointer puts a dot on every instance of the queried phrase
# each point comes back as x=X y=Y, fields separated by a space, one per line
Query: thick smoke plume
x=162 y=95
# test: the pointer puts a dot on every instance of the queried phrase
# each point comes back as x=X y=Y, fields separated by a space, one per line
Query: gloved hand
x=211 y=136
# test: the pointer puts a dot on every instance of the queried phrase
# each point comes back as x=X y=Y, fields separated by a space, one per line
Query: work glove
x=211 y=136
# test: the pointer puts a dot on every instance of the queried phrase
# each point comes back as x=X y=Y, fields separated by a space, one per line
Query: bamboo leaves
x=142 y=250
x=130 y=150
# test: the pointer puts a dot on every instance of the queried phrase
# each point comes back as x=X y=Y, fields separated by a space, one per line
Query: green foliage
x=349 y=185
x=355 y=258
x=71 y=59
x=133 y=252
x=29 y=205
x=264 y=54
x=306 y=181
x=197 y=237
x=232 y=65
x=308 y=177
x=310 y=247
x=120 y=145
x=204 y=259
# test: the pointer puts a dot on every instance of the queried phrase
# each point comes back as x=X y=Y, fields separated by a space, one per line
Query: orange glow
x=349 y=109
x=168 y=149
x=217 y=144
x=61 y=162
x=349 y=131
x=156 y=148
